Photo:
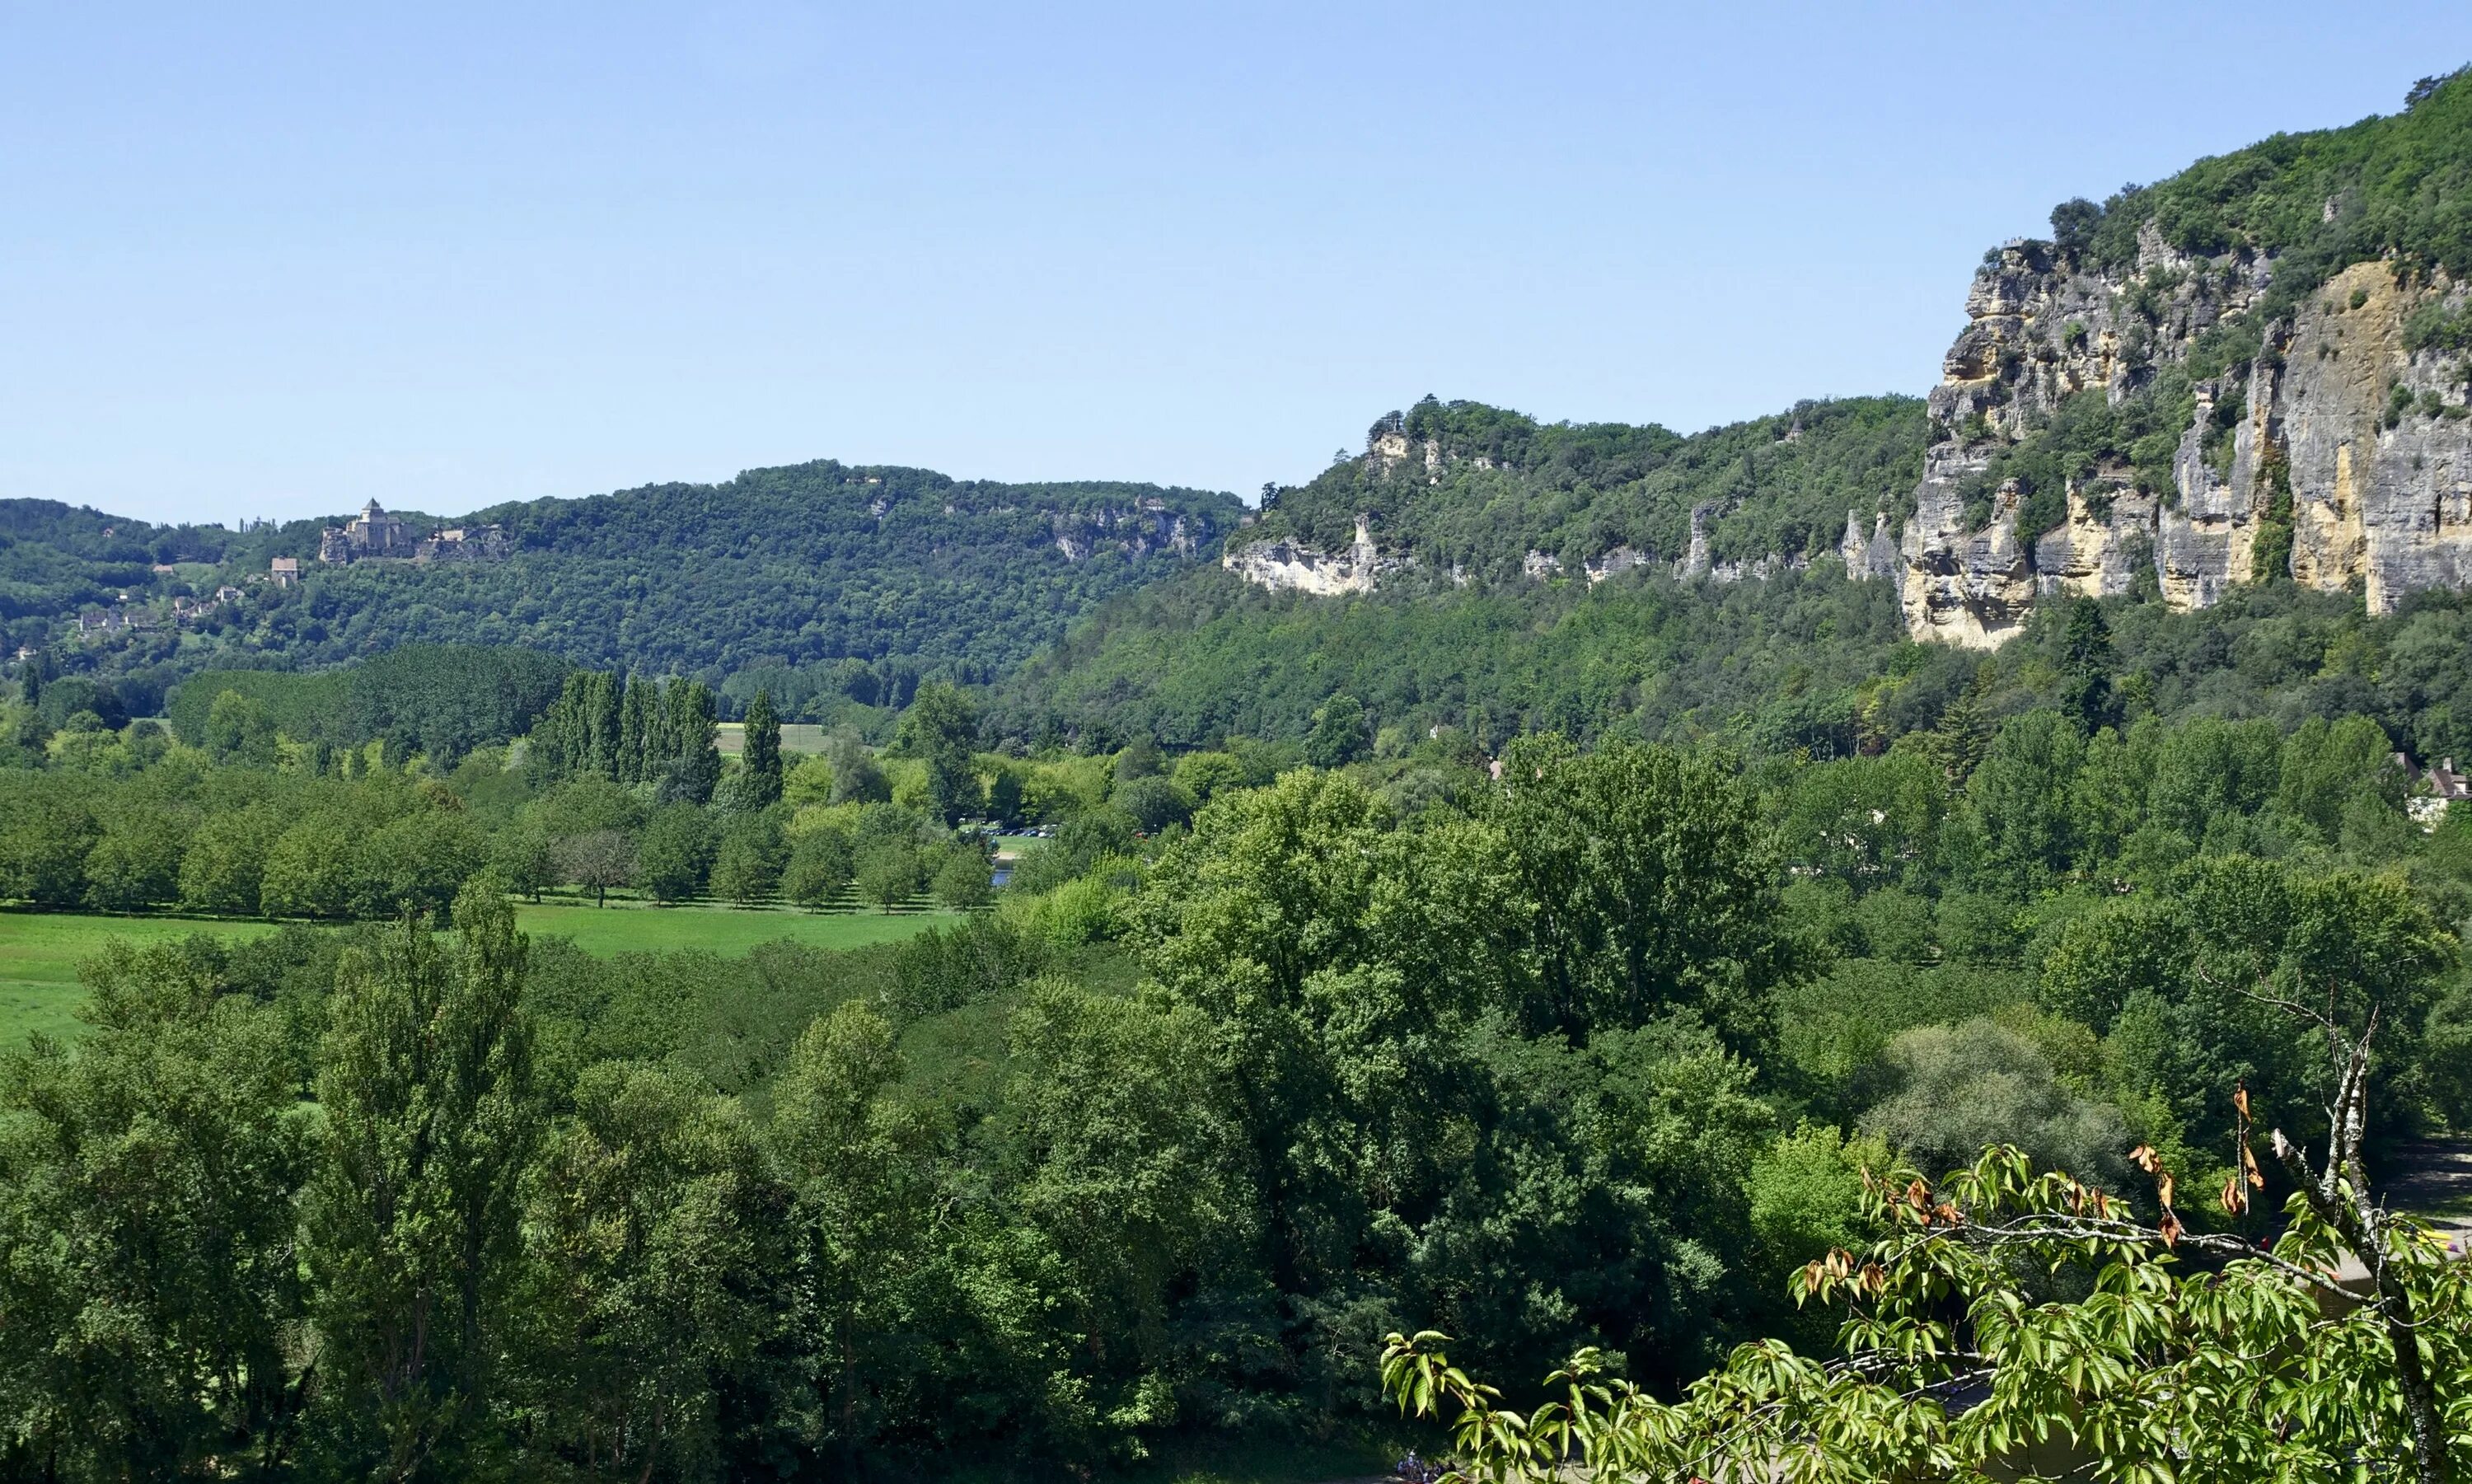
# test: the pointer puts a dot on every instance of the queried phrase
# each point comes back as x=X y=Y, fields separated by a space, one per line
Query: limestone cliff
x=1286 y=566
x=2333 y=436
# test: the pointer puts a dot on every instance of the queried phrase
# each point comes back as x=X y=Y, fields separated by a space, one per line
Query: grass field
x=724 y=930
x=40 y=952
x=731 y=737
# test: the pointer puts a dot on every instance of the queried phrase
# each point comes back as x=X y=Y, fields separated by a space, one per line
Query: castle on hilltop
x=374 y=534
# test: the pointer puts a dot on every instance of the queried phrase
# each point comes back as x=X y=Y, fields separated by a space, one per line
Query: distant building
x=372 y=534
x=463 y=543
x=285 y=571
x=2445 y=787
x=376 y=536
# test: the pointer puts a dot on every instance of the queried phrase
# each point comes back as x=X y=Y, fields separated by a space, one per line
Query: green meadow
x=40 y=952
x=723 y=930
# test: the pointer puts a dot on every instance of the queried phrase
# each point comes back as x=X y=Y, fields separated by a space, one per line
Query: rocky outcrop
x=2336 y=435
x=1695 y=556
x=1875 y=556
x=1137 y=530
x=1759 y=568
x=2097 y=553
x=1613 y=563
x=1970 y=588
x=1291 y=567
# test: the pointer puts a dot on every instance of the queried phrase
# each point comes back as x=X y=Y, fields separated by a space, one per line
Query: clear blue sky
x=262 y=260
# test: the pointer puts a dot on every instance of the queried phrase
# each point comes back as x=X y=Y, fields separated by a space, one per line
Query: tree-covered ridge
x=2393 y=186
x=1470 y=488
x=784 y=569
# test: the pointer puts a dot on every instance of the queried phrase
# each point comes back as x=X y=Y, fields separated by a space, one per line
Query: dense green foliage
x=251 y=820
x=2391 y=186
x=1799 y=660
x=1590 y=1056
x=1962 y=1364
x=443 y=700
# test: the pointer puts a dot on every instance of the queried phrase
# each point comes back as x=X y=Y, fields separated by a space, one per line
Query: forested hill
x=1495 y=495
x=1495 y=607
x=819 y=579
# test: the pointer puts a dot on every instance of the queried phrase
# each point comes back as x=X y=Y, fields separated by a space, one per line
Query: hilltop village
x=372 y=536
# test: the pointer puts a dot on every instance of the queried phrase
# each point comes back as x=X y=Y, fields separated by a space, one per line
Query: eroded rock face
x=1284 y=566
x=1971 y=588
x=2315 y=444
x=2097 y=553
x=1614 y=564
x=1136 y=531
x=1873 y=557
x=2391 y=506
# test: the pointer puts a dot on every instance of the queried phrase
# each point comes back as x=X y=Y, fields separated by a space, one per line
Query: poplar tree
x=761 y=756
x=635 y=758
x=694 y=750
x=603 y=719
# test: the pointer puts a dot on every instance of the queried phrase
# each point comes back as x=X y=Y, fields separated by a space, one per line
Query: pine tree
x=2085 y=668
x=1965 y=729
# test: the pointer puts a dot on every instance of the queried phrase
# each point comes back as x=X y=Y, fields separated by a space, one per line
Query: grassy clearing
x=40 y=952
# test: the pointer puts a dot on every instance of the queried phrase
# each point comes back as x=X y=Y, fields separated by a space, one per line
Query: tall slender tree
x=606 y=701
x=634 y=730
x=761 y=755
x=694 y=754
x=941 y=728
